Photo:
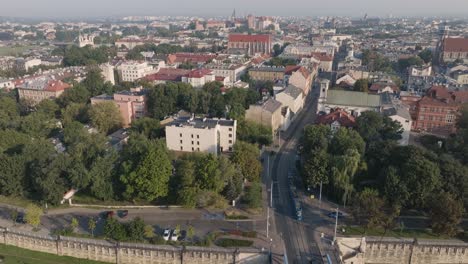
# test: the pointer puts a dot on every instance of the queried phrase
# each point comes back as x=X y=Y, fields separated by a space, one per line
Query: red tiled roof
x=55 y=86
x=249 y=38
x=220 y=78
x=291 y=68
x=456 y=45
x=340 y=115
x=321 y=56
x=198 y=73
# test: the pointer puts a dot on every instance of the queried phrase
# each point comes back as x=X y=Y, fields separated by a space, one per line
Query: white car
x=174 y=236
x=166 y=234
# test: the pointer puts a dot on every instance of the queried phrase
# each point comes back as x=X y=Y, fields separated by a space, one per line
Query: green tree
x=74 y=224
x=361 y=85
x=246 y=157
x=186 y=182
x=150 y=179
x=373 y=126
x=345 y=139
x=190 y=233
x=343 y=170
x=92 y=225
x=9 y=112
x=253 y=195
x=315 y=168
x=78 y=94
x=367 y=208
x=425 y=55
x=105 y=116
x=33 y=215
x=149 y=127
x=115 y=230
x=446 y=214
x=136 y=229
x=12 y=175
x=149 y=232
x=254 y=133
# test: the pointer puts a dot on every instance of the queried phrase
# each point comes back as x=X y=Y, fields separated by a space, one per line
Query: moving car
x=123 y=213
x=20 y=218
x=166 y=234
x=333 y=215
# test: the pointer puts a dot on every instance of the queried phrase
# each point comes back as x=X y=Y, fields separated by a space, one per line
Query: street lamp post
x=268 y=222
x=336 y=225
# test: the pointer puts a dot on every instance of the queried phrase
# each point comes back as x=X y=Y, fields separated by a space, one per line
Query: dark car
x=20 y=218
x=333 y=215
x=107 y=214
x=123 y=213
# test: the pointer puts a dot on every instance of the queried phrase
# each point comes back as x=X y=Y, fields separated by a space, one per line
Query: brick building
x=35 y=90
x=455 y=48
x=250 y=44
x=437 y=111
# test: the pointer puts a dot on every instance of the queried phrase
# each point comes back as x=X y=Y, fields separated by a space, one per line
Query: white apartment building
x=189 y=134
x=233 y=71
x=131 y=71
x=26 y=64
x=199 y=77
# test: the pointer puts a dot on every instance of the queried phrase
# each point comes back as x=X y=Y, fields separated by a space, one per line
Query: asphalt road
x=298 y=236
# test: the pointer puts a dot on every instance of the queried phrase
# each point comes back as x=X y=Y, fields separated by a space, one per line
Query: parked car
x=166 y=234
x=333 y=215
x=123 y=213
x=20 y=219
x=107 y=214
x=175 y=235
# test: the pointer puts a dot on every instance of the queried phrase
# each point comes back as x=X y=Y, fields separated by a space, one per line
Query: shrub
x=228 y=242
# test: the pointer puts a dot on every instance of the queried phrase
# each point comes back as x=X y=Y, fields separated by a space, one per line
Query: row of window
x=436 y=110
x=450 y=118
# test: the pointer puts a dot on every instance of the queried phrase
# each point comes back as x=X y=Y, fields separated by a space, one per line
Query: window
x=230 y=129
x=230 y=135
x=198 y=149
x=198 y=136
x=230 y=141
x=181 y=148
x=230 y=148
x=192 y=135
x=181 y=142
x=198 y=143
x=193 y=149
x=450 y=118
x=421 y=117
x=180 y=134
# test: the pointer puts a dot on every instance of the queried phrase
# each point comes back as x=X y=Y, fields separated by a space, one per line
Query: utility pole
x=336 y=225
x=271 y=194
x=268 y=222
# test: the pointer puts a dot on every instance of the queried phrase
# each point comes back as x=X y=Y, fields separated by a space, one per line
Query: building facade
x=131 y=104
x=131 y=71
x=36 y=90
x=267 y=113
x=251 y=44
x=267 y=73
x=208 y=135
x=437 y=111
x=455 y=49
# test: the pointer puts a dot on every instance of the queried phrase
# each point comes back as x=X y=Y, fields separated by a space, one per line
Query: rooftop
x=351 y=98
x=456 y=44
x=249 y=38
x=200 y=123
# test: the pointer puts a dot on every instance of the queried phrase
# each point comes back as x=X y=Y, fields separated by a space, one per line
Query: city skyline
x=106 y=8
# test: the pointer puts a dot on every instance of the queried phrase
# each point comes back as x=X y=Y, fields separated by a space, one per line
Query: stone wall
x=395 y=250
x=128 y=253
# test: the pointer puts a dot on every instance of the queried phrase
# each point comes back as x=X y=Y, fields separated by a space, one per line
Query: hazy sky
x=108 y=8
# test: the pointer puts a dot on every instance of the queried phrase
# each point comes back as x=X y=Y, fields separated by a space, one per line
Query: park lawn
x=407 y=233
x=16 y=255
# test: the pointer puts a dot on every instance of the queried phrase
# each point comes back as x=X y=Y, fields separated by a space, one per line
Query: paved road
x=299 y=236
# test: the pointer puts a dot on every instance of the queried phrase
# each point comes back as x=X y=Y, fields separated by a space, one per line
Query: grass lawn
x=15 y=255
x=408 y=233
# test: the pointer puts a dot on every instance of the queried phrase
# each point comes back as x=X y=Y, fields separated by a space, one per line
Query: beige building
x=107 y=72
x=267 y=73
x=461 y=77
x=132 y=104
x=189 y=134
x=131 y=71
x=267 y=113
x=292 y=97
x=302 y=78
x=36 y=90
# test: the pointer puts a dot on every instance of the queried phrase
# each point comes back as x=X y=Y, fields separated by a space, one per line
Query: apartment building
x=35 y=90
x=131 y=71
x=267 y=73
x=209 y=135
x=199 y=77
x=267 y=113
x=437 y=111
x=132 y=104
